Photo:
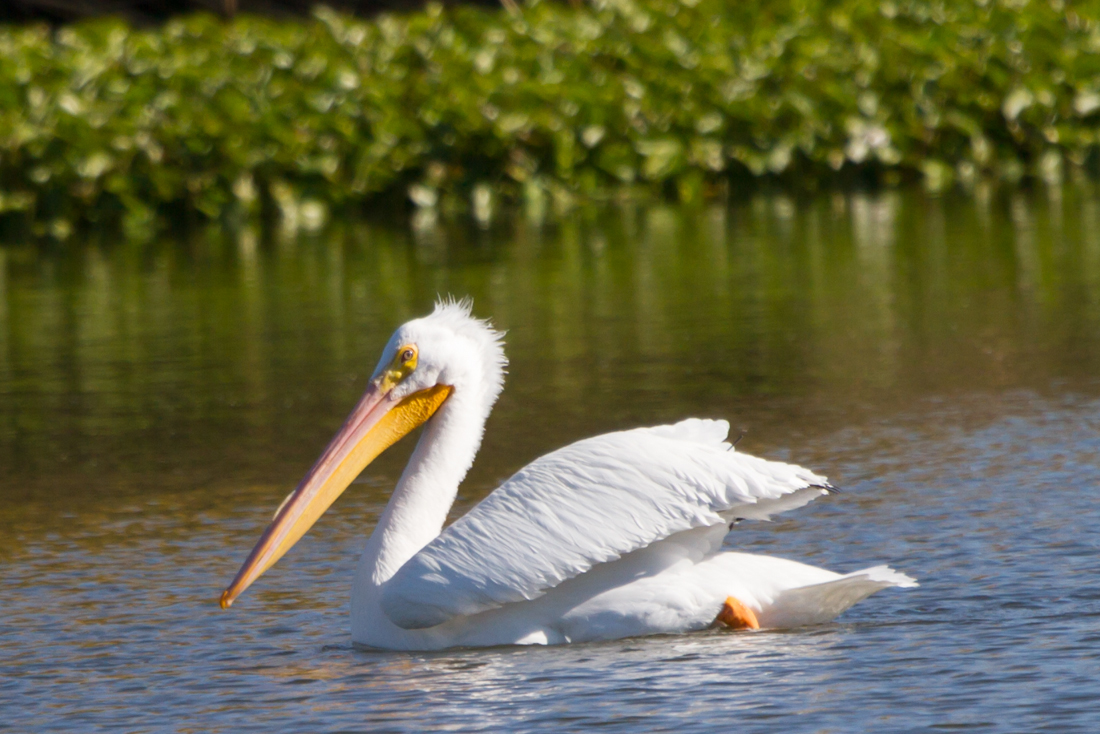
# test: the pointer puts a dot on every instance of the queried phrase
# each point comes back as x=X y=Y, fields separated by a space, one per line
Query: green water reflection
x=224 y=362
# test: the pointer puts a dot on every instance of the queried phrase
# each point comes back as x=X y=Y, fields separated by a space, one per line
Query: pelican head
x=424 y=364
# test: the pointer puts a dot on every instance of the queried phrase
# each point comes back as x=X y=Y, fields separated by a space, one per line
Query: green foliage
x=103 y=123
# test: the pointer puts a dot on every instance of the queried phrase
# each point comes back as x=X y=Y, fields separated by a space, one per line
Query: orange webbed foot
x=736 y=615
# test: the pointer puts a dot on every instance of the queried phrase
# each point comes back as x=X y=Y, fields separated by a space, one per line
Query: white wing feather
x=585 y=504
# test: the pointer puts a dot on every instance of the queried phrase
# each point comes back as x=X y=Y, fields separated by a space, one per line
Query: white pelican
x=612 y=536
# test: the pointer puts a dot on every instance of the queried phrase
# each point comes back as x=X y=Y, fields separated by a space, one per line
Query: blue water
x=947 y=385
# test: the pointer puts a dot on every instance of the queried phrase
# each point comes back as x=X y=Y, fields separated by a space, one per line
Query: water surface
x=936 y=357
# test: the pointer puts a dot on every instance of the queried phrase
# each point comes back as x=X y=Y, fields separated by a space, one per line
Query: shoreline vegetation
x=146 y=12
x=541 y=104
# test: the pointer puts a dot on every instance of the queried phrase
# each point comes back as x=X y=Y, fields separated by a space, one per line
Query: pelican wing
x=586 y=504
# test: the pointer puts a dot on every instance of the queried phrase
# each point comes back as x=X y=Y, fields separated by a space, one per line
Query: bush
x=102 y=123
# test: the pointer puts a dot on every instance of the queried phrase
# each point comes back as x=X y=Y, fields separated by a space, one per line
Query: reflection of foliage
x=103 y=123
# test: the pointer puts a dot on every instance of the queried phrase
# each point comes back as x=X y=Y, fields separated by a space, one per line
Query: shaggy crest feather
x=457 y=315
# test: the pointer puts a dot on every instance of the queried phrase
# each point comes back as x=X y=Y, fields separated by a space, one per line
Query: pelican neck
x=426 y=490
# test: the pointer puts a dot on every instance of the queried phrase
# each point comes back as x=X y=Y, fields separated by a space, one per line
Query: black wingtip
x=829 y=489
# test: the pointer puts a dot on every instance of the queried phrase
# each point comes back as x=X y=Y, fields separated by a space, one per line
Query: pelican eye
x=403 y=365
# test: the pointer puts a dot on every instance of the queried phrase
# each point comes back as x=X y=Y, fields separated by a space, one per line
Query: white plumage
x=586 y=504
x=612 y=536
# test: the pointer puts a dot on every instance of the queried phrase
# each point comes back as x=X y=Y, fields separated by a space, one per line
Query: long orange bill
x=375 y=424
